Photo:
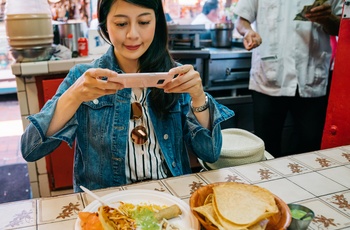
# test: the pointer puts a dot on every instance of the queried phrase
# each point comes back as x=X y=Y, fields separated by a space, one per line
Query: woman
x=103 y=117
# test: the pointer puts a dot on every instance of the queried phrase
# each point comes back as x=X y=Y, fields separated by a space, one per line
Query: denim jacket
x=100 y=129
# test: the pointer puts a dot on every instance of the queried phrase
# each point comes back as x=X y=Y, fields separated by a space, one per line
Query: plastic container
x=28 y=23
x=29 y=30
x=27 y=7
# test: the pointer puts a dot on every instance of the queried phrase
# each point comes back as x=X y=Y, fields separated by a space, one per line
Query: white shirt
x=144 y=161
x=292 y=53
x=202 y=19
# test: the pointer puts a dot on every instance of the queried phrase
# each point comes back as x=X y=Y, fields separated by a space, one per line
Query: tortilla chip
x=224 y=222
x=209 y=213
x=208 y=199
x=243 y=205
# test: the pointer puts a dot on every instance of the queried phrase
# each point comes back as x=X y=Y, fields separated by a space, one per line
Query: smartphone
x=142 y=80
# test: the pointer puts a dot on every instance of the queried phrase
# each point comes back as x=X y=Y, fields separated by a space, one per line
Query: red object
x=59 y=163
x=337 y=126
x=83 y=47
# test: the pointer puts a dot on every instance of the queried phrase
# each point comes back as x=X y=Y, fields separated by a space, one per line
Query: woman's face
x=131 y=30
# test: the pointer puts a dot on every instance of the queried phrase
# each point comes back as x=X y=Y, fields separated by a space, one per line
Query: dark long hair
x=157 y=58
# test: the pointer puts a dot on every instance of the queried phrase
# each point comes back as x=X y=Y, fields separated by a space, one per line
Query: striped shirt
x=144 y=162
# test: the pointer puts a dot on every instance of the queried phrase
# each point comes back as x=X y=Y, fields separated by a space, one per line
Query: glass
x=139 y=134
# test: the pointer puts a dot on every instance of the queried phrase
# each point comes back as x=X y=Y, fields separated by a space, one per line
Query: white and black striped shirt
x=144 y=162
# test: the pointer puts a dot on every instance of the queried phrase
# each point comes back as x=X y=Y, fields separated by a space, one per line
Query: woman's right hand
x=90 y=86
x=86 y=88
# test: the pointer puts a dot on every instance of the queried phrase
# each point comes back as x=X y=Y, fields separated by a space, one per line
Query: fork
x=91 y=193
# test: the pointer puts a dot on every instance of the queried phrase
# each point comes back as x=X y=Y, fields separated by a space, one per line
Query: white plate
x=186 y=220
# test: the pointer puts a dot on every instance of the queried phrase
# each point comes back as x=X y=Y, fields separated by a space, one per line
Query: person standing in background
x=290 y=65
x=209 y=15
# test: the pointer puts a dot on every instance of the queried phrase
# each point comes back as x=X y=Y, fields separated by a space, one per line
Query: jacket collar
x=109 y=61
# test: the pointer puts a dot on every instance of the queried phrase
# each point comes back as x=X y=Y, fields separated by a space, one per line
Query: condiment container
x=28 y=24
x=301 y=217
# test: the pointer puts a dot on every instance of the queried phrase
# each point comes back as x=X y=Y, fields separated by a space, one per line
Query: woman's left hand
x=188 y=80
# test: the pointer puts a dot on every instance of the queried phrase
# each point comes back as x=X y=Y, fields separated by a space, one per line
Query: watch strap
x=202 y=107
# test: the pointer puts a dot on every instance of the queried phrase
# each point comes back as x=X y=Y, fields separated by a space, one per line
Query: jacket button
x=95 y=101
x=173 y=164
x=165 y=136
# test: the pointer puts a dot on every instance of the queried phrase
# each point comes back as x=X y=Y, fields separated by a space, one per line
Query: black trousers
x=308 y=118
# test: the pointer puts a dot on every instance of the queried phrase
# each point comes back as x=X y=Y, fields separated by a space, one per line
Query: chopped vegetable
x=297 y=214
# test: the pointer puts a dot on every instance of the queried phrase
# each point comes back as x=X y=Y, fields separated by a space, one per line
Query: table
x=319 y=180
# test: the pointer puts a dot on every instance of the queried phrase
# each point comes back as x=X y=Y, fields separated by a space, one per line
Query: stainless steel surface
x=32 y=54
x=221 y=34
x=222 y=26
x=71 y=27
x=185 y=36
x=300 y=224
x=221 y=69
x=228 y=69
x=186 y=29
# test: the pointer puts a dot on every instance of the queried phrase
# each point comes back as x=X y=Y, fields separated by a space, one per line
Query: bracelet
x=202 y=107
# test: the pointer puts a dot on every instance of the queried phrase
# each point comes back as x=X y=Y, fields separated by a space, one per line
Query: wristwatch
x=202 y=107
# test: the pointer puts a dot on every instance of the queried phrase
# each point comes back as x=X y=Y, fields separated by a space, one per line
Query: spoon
x=91 y=193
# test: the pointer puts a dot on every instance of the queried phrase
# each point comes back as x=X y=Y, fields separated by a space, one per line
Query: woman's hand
x=87 y=88
x=90 y=86
x=188 y=80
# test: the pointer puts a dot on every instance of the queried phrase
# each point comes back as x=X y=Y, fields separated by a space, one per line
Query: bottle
x=69 y=42
x=70 y=45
